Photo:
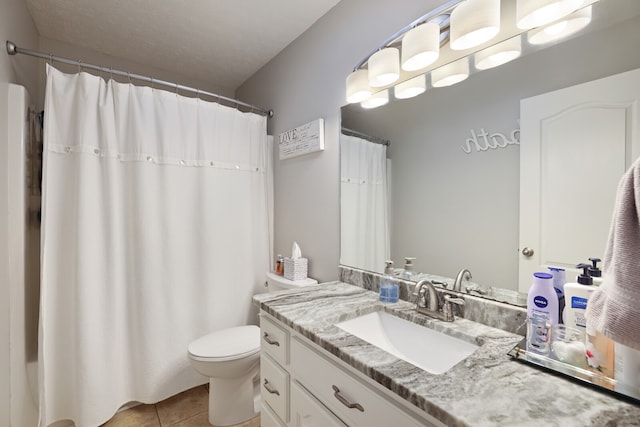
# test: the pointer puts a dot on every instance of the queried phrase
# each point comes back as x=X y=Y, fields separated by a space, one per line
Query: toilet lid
x=225 y=343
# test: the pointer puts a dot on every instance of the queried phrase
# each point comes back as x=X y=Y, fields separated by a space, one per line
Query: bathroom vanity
x=312 y=369
x=301 y=383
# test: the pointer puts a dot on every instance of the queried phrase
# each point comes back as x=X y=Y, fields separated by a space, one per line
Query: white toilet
x=230 y=358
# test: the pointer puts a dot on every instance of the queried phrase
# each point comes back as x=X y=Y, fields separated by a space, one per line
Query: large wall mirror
x=452 y=163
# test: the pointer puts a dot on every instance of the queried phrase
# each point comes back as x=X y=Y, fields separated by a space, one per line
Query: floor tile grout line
x=155 y=407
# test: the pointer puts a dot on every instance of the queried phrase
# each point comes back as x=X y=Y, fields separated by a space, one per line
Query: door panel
x=576 y=143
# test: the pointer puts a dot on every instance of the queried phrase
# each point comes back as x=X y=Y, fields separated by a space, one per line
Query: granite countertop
x=488 y=388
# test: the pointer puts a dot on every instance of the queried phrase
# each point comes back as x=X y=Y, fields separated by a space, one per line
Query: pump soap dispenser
x=595 y=272
x=408 y=272
x=389 y=290
x=576 y=296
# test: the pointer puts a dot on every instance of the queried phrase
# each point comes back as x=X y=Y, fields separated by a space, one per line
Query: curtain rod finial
x=270 y=113
x=11 y=48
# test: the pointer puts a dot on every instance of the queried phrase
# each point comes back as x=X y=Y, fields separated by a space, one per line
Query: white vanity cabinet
x=274 y=374
x=304 y=385
x=308 y=411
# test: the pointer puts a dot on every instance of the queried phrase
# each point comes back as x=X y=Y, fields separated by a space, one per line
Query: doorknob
x=528 y=252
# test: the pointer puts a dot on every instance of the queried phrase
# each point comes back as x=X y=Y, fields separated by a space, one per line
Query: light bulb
x=384 y=67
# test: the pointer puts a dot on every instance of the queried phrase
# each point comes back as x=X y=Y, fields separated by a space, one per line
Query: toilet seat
x=226 y=344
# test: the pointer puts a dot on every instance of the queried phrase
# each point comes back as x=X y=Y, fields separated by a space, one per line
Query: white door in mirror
x=575 y=145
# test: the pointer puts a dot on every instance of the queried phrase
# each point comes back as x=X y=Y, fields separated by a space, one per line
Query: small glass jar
x=280 y=265
x=538 y=334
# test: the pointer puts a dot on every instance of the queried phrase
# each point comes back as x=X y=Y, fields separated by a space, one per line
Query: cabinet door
x=274 y=387
x=306 y=411
x=576 y=144
x=268 y=418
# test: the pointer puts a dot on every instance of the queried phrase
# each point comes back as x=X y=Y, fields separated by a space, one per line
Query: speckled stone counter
x=486 y=389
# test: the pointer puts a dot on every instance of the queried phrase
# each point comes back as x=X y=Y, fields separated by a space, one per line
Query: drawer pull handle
x=270 y=341
x=270 y=389
x=344 y=401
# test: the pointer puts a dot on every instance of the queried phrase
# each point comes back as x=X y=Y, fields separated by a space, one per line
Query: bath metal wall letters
x=483 y=140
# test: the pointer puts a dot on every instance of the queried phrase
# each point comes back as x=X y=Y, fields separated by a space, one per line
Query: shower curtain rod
x=12 y=49
x=369 y=138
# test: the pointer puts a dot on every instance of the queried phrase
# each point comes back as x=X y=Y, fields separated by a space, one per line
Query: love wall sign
x=304 y=139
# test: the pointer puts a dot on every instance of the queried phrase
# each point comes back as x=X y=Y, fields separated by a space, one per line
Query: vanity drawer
x=274 y=340
x=274 y=387
x=337 y=388
x=306 y=410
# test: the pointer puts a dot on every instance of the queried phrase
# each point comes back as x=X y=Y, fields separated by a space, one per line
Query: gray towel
x=614 y=308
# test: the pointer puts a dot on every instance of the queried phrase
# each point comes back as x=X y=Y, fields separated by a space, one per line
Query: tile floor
x=187 y=409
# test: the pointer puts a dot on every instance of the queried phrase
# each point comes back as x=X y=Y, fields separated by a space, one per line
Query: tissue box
x=295 y=269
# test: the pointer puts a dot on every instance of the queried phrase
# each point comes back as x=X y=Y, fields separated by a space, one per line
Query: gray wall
x=453 y=210
x=304 y=82
x=16 y=25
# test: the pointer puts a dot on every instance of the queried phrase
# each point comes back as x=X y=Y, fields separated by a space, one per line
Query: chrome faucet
x=462 y=275
x=431 y=307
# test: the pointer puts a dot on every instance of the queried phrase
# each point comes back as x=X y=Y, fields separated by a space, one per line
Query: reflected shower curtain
x=364 y=222
x=155 y=232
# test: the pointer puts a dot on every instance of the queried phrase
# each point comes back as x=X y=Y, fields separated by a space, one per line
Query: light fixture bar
x=446 y=7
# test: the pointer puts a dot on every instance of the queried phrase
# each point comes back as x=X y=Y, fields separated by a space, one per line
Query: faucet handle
x=443 y=284
x=449 y=299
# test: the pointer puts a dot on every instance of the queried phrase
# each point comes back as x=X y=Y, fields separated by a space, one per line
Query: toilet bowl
x=230 y=358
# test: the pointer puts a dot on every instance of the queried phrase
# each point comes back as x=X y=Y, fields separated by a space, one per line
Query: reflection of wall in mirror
x=452 y=210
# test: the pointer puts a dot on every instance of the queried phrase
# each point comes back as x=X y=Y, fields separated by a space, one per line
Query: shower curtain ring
x=198 y=94
x=177 y=85
x=79 y=66
x=129 y=77
x=151 y=78
x=51 y=59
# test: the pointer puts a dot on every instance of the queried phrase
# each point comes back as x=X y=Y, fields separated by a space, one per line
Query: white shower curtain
x=364 y=222
x=155 y=231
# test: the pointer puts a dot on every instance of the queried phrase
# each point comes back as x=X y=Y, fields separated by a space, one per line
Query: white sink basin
x=430 y=350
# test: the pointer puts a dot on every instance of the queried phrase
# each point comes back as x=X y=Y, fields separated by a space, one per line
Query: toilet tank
x=278 y=283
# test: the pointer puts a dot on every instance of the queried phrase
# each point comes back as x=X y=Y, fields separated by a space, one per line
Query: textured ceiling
x=219 y=41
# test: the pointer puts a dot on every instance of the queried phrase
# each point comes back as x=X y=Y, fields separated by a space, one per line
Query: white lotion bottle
x=576 y=296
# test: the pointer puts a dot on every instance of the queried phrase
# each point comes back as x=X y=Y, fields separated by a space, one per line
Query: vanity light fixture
x=463 y=24
x=358 y=86
x=450 y=74
x=378 y=99
x=421 y=47
x=410 y=88
x=499 y=54
x=558 y=30
x=535 y=13
x=474 y=22
x=384 y=67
